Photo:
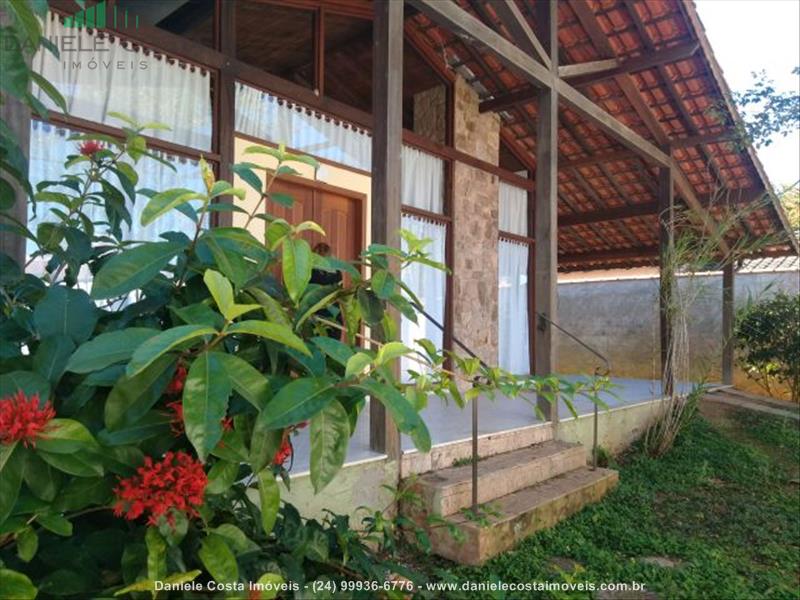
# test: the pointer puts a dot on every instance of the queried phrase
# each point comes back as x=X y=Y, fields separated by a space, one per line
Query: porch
x=448 y=424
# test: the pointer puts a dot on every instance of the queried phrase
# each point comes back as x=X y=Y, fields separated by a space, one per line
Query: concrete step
x=444 y=455
x=512 y=518
x=447 y=491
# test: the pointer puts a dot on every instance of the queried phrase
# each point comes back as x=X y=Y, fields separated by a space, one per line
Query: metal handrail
x=474 y=403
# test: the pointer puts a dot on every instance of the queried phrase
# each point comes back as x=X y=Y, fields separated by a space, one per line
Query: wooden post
x=727 y=323
x=387 y=141
x=666 y=243
x=18 y=118
x=225 y=106
x=546 y=213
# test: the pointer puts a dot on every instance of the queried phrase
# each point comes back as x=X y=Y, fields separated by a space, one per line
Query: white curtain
x=105 y=76
x=429 y=286
x=423 y=180
x=513 y=209
x=275 y=120
x=50 y=147
x=513 y=307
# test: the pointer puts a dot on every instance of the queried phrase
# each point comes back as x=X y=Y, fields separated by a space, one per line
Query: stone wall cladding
x=475 y=227
x=430 y=113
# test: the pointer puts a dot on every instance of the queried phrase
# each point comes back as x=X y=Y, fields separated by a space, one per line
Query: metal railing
x=474 y=402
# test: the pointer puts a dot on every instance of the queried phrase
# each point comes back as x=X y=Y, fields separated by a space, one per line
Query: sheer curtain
x=513 y=343
x=107 y=76
x=423 y=180
x=275 y=120
x=429 y=286
x=49 y=148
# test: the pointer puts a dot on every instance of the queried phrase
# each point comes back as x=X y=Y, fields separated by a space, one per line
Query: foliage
x=186 y=369
x=20 y=38
x=768 y=342
x=722 y=503
x=790 y=200
x=768 y=112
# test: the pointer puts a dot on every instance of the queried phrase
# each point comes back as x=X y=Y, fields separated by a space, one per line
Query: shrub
x=768 y=342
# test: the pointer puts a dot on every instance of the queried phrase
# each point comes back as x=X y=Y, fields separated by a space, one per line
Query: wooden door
x=337 y=211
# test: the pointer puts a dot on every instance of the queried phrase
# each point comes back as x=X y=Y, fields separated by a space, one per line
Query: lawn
x=723 y=507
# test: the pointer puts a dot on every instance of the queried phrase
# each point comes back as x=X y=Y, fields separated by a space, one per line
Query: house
x=524 y=139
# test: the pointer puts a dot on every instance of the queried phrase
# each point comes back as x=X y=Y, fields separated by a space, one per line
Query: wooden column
x=727 y=323
x=387 y=141
x=666 y=243
x=18 y=118
x=545 y=279
x=225 y=105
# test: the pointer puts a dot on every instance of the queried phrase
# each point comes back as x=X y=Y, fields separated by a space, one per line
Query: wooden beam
x=666 y=246
x=728 y=310
x=387 y=144
x=513 y=20
x=687 y=192
x=546 y=218
x=319 y=52
x=607 y=256
x=225 y=109
x=521 y=95
x=705 y=138
x=591 y=67
x=646 y=60
x=608 y=214
x=604 y=157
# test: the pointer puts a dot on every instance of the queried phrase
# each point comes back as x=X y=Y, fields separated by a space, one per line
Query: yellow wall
x=327 y=173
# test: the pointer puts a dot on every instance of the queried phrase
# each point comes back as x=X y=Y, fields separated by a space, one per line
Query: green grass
x=722 y=502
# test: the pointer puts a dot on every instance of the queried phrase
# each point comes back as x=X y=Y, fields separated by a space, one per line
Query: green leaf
x=55 y=523
x=165 y=341
x=221 y=476
x=297 y=401
x=82 y=492
x=132 y=269
x=403 y=413
x=205 y=402
x=29 y=382
x=156 y=554
x=11 y=481
x=27 y=544
x=42 y=480
x=370 y=305
x=271 y=307
x=51 y=357
x=271 y=331
x=16 y=586
x=247 y=381
x=330 y=432
x=79 y=464
x=65 y=311
x=269 y=586
x=297 y=264
x=218 y=559
x=66 y=436
x=236 y=538
x=248 y=176
x=357 y=363
x=108 y=348
x=309 y=226
x=222 y=292
x=153 y=424
x=223 y=188
x=383 y=284
x=390 y=351
x=270 y=499
x=131 y=397
x=264 y=443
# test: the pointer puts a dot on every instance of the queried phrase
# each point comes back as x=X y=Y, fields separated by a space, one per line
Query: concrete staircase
x=519 y=491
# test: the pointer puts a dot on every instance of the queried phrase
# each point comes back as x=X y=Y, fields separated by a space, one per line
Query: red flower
x=90 y=148
x=176 y=483
x=22 y=419
x=284 y=452
x=175 y=386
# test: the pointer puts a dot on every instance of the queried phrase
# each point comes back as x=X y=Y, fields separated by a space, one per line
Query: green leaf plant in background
x=146 y=425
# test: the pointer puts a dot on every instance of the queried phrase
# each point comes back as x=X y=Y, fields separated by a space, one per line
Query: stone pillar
x=430 y=114
x=475 y=226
